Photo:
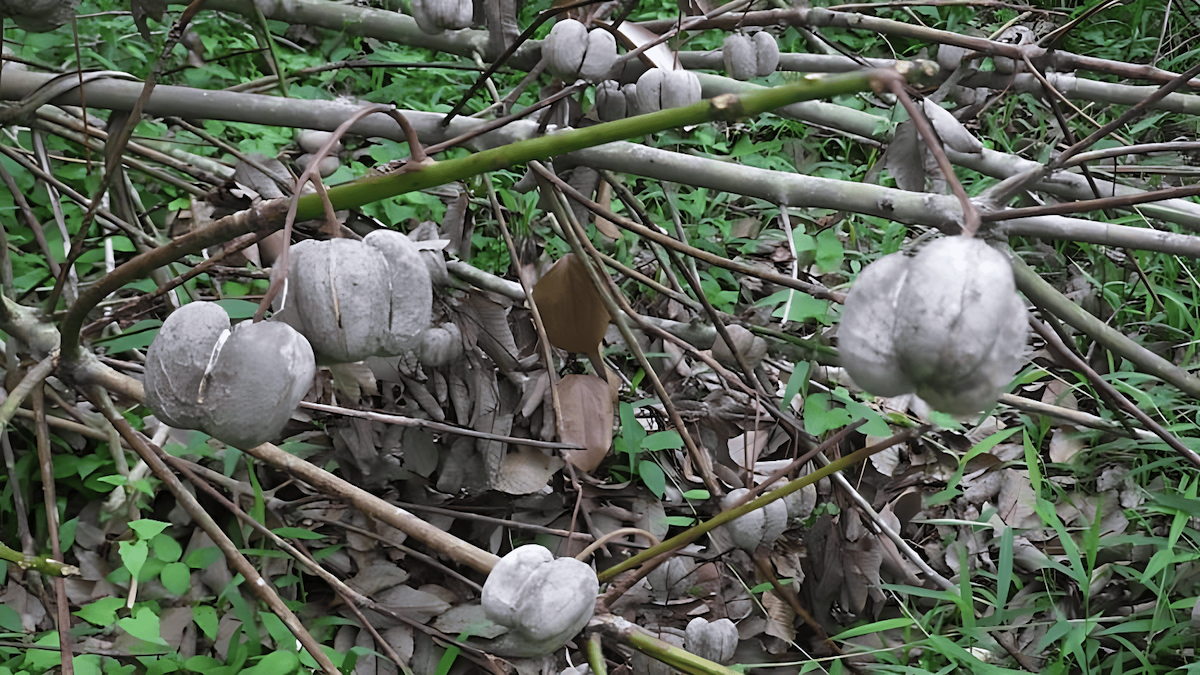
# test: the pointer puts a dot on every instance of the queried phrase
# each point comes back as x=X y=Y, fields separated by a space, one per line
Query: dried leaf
x=525 y=470
x=354 y=379
x=572 y=310
x=780 y=617
x=633 y=35
x=1065 y=443
x=587 y=411
x=903 y=158
x=603 y=225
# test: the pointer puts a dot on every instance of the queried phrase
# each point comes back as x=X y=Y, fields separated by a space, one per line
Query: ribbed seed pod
x=741 y=56
x=658 y=89
x=542 y=600
x=946 y=324
x=237 y=386
x=768 y=52
x=436 y=16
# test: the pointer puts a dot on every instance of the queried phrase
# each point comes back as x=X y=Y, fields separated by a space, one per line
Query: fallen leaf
x=525 y=470
x=587 y=419
x=571 y=309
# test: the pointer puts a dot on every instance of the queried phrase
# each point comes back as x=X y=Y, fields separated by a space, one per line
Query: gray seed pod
x=741 y=56
x=311 y=140
x=565 y=48
x=573 y=52
x=962 y=331
x=768 y=52
x=865 y=343
x=542 y=600
x=658 y=89
x=649 y=88
x=757 y=528
x=750 y=346
x=326 y=167
x=440 y=345
x=357 y=299
x=239 y=387
x=435 y=16
x=712 y=640
x=610 y=101
x=950 y=56
x=947 y=324
x=601 y=56
x=39 y=16
x=680 y=88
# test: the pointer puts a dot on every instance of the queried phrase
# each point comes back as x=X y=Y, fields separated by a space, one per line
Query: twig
x=400 y=420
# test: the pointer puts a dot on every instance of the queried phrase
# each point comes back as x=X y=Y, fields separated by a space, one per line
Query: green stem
x=46 y=566
x=725 y=107
x=692 y=534
x=268 y=216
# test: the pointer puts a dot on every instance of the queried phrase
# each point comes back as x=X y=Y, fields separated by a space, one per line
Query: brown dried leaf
x=780 y=617
x=603 y=225
x=574 y=314
x=587 y=411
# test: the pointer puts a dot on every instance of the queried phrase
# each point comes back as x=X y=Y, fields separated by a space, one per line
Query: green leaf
x=206 y=620
x=297 y=533
x=11 y=621
x=143 y=625
x=166 y=548
x=829 y=251
x=203 y=557
x=876 y=627
x=147 y=529
x=652 y=475
x=663 y=440
x=176 y=577
x=796 y=382
x=238 y=309
x=275 y=663
x=133 y=555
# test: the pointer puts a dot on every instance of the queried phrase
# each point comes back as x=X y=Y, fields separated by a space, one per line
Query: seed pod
x=950 y=56
x=239 y=387
x=356 y=299
x=601 y=55
x=673 y=575
x=865 y=343
x=658 y=89
x=768 y=52
x=326 y=167
x=610 y=101
x=311 y=140
x=573 y=52
x=440 y=345
x=649 y=89
x=961 y=332
x=38 y=16
x=435 y=16
x=565 y=48
x=712 y=640
x=543 y=601
x=741 y=56
x=680 y=88
x=947 y=324
x=757 y=528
